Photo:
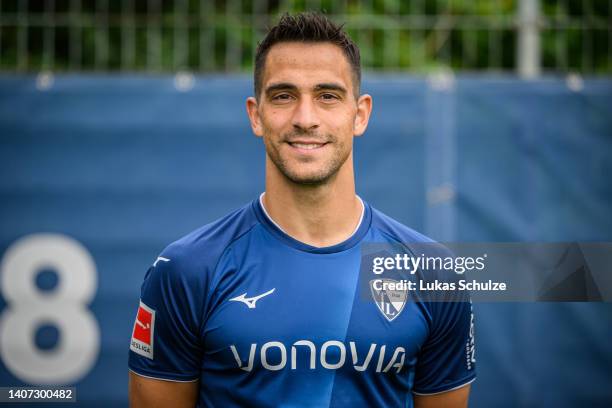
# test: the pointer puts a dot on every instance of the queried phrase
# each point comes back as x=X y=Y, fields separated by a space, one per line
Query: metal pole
x=529 y=39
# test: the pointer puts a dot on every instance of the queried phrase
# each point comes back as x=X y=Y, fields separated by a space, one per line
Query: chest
x=296 y=312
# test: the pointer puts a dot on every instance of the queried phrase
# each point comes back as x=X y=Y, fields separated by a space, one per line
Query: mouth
x=306 y=145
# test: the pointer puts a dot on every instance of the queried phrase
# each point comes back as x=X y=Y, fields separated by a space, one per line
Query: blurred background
x=122 y=128
x=157 y=36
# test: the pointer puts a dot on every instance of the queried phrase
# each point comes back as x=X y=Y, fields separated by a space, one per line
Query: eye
x=282 y=97
x=329 y=97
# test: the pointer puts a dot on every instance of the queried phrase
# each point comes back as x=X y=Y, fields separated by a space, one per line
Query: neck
x=318 y=215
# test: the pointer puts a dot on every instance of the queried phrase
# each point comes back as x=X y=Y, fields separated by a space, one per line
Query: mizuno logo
x=250 y=302
x=160 y=258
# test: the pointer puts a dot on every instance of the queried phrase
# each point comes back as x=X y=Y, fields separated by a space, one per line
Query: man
x=261 y=308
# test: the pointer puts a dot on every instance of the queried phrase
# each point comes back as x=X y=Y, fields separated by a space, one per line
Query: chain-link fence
x=220 y=36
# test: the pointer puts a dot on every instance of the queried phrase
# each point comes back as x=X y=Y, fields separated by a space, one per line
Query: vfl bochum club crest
x=389 y=302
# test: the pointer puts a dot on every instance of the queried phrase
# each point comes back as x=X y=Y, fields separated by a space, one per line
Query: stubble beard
x=327 y=171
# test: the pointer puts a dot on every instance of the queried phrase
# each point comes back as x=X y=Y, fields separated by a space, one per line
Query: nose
x=305 y=116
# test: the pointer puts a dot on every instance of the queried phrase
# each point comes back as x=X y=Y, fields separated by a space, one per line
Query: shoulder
x=203 y=248
x=392 y=231
x=396 y=230
x=180 y=282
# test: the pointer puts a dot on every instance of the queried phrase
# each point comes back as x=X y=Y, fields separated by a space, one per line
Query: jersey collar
x=276 y=230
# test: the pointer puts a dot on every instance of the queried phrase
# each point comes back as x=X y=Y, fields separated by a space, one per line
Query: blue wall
x=125 y=165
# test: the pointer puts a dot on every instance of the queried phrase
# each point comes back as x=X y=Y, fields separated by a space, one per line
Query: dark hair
x=307 y=27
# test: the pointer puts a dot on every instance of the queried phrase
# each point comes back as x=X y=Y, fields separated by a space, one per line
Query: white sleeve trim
x=450 y=389
x=162 y=379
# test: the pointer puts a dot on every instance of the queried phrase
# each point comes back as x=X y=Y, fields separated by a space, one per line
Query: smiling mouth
x=307 y=146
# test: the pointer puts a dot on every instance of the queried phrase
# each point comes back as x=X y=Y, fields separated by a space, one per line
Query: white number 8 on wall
x=65 y=307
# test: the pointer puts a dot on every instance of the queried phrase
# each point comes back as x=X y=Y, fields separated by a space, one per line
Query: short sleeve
x=447 y=359
x=165 y=340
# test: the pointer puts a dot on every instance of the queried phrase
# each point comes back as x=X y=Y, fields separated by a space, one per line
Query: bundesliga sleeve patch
x=142 y=335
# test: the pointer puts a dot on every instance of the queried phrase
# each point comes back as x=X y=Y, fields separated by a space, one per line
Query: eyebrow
x=330 y=87
x=281 y=86
x=286 y=86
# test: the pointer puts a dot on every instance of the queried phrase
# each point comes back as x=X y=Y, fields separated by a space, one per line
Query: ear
x=253 y=112
x=364 y=108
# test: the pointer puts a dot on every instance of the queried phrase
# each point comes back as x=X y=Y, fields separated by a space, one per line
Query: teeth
x=308 y=146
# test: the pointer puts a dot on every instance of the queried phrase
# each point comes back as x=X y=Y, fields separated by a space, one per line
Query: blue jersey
x=263 y=320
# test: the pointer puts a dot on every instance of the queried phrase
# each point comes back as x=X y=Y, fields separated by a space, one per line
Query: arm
x=165 y=349
x=152 y=393
x=451 y=399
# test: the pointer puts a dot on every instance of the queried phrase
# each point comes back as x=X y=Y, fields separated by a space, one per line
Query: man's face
x=307 y=112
